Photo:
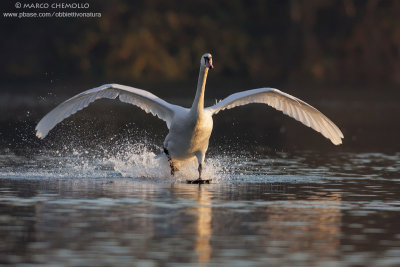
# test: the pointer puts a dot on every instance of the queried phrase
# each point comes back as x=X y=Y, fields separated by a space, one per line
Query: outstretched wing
x=143 y=99
x=286 y=103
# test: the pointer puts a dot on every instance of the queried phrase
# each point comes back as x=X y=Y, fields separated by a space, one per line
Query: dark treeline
x=326 y=41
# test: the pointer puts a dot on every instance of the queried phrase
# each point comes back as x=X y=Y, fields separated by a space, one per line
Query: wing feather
x=143 y=99
x=288 y=104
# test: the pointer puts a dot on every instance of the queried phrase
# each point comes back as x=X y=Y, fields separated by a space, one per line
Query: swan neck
x=198 y=104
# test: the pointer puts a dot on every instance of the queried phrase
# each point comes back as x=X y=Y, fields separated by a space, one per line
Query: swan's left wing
x=286 y=103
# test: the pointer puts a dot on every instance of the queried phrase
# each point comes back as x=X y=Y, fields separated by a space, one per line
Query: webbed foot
x=199 y=181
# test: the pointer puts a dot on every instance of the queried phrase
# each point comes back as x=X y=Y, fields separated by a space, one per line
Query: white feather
x=286 y=103
x=143 y=99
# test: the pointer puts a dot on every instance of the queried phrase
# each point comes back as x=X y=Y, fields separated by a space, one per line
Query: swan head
x=206 y=61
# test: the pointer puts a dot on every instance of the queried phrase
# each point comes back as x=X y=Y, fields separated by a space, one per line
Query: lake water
x=94 y=194
x=81 y=209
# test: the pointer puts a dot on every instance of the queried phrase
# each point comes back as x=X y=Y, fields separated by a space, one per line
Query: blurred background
x=341 y=56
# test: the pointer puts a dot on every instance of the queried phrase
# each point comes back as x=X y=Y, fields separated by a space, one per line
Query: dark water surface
x=278 y=211
x=93 y=193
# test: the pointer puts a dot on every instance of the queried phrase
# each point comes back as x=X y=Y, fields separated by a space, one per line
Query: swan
x=190 y=128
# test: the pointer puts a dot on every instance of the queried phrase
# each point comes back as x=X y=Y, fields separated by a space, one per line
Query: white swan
x=190 y=129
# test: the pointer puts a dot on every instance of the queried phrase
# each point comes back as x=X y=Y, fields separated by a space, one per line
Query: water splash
x=128 y=159
x=135 y=155
x=139 y=160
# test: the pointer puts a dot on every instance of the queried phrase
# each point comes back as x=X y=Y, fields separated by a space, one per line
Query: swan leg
x=171 y=164
x=200 y=169
x=199 y=180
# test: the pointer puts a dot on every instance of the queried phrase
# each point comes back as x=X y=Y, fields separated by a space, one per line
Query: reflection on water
x=84 y=208
x=259 y=213
x=298 y=224
x=204 y=230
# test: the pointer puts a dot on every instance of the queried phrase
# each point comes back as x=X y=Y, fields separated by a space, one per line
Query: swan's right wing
x=143 y=99
x=288 y=104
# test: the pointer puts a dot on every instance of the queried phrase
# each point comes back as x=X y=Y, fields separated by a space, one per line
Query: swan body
x=189 y=137
x=190 y=128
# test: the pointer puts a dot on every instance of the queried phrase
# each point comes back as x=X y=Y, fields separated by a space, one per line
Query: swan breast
x=189 y=135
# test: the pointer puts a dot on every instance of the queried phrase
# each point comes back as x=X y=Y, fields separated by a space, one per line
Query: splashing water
x=127 y=159
x=133 y=154
x=139 y=161
x=144 y=161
